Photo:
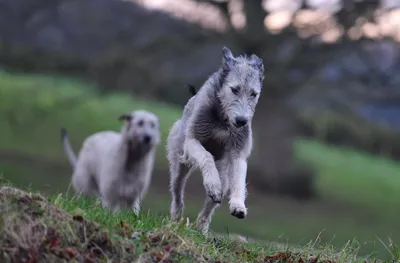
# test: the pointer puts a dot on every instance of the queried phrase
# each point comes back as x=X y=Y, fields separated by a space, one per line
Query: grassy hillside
x=359 y=195
x=34 y=228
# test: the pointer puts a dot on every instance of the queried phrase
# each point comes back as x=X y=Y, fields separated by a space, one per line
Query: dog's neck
x=218 y=117
x=211 y=120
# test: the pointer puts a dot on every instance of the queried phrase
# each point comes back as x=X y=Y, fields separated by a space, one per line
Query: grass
x=359 y=192
x=63 y=228
x=350 y=175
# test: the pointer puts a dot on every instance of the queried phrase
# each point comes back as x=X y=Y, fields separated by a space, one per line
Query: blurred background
x=326 y=130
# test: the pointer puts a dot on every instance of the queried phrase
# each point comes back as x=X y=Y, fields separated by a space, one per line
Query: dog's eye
x=152 y=125
x=140 y=123
x=235 y=90
x=254 y=94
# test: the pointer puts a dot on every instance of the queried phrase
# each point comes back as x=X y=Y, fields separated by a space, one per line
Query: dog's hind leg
x=83 y=182
x=204 y=218
x=179 y=175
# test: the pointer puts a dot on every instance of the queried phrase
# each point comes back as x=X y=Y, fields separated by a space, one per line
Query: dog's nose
x=240 y=121
x=146 y=139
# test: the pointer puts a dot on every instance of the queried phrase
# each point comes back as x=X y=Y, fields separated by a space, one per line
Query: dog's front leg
x=109 y=196
x=137 y=202
x=141 y=187
x=237 y=185
x=112 y=205
x=136 y=206
x=205 y=161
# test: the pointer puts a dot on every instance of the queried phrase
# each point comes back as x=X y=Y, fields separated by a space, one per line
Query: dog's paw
x=214 y=191
x=238 y=209
x=202 y=224
x=176 y=212
x=216 y=197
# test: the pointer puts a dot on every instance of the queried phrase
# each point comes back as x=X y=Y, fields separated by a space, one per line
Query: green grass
x=359 y=192
x=349 y=175
x=65 y=227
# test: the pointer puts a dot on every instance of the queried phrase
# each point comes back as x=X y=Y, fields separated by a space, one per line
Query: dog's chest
x=215 y=136
x=217 y=143
x=224 y=141
x=129 y=185
x=215 y=147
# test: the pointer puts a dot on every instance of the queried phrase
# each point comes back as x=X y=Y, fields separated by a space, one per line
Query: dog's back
x=97 y=149
x=176 y=135
x=187 y=111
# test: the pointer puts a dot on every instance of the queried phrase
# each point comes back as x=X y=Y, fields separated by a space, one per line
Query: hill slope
x=36 y=229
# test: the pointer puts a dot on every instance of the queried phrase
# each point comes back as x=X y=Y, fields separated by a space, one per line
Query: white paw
x=176 y=212
x=136 y=210
x=105 y=203
x=238 y=209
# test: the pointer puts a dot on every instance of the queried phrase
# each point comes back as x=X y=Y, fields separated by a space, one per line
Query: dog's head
x=240 y=87
x=142 y=127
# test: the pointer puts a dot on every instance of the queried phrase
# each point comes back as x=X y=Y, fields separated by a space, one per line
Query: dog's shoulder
x=102 y=137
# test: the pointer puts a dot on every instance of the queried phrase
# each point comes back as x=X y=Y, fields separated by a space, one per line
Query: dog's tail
x=68 y=149
x=192 y=89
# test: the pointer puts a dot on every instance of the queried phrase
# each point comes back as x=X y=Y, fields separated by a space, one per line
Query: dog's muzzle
x=240 y=121
x=146 y=139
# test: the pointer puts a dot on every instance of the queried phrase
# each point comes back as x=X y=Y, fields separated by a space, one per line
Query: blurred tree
x=255 y=38
x=277 y=126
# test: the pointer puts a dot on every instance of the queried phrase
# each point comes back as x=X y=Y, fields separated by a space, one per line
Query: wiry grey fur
x=117 y=166
x=214 y=135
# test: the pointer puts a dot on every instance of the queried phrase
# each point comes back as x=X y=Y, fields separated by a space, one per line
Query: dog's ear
x=125 y=117
x=258 y=64
x=228 y=61
x=192 y=89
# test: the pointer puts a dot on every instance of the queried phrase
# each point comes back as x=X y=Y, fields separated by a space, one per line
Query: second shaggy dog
x=117 y=166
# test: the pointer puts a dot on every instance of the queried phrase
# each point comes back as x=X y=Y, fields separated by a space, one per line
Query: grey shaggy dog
x=117 y=166
x=214 y=135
